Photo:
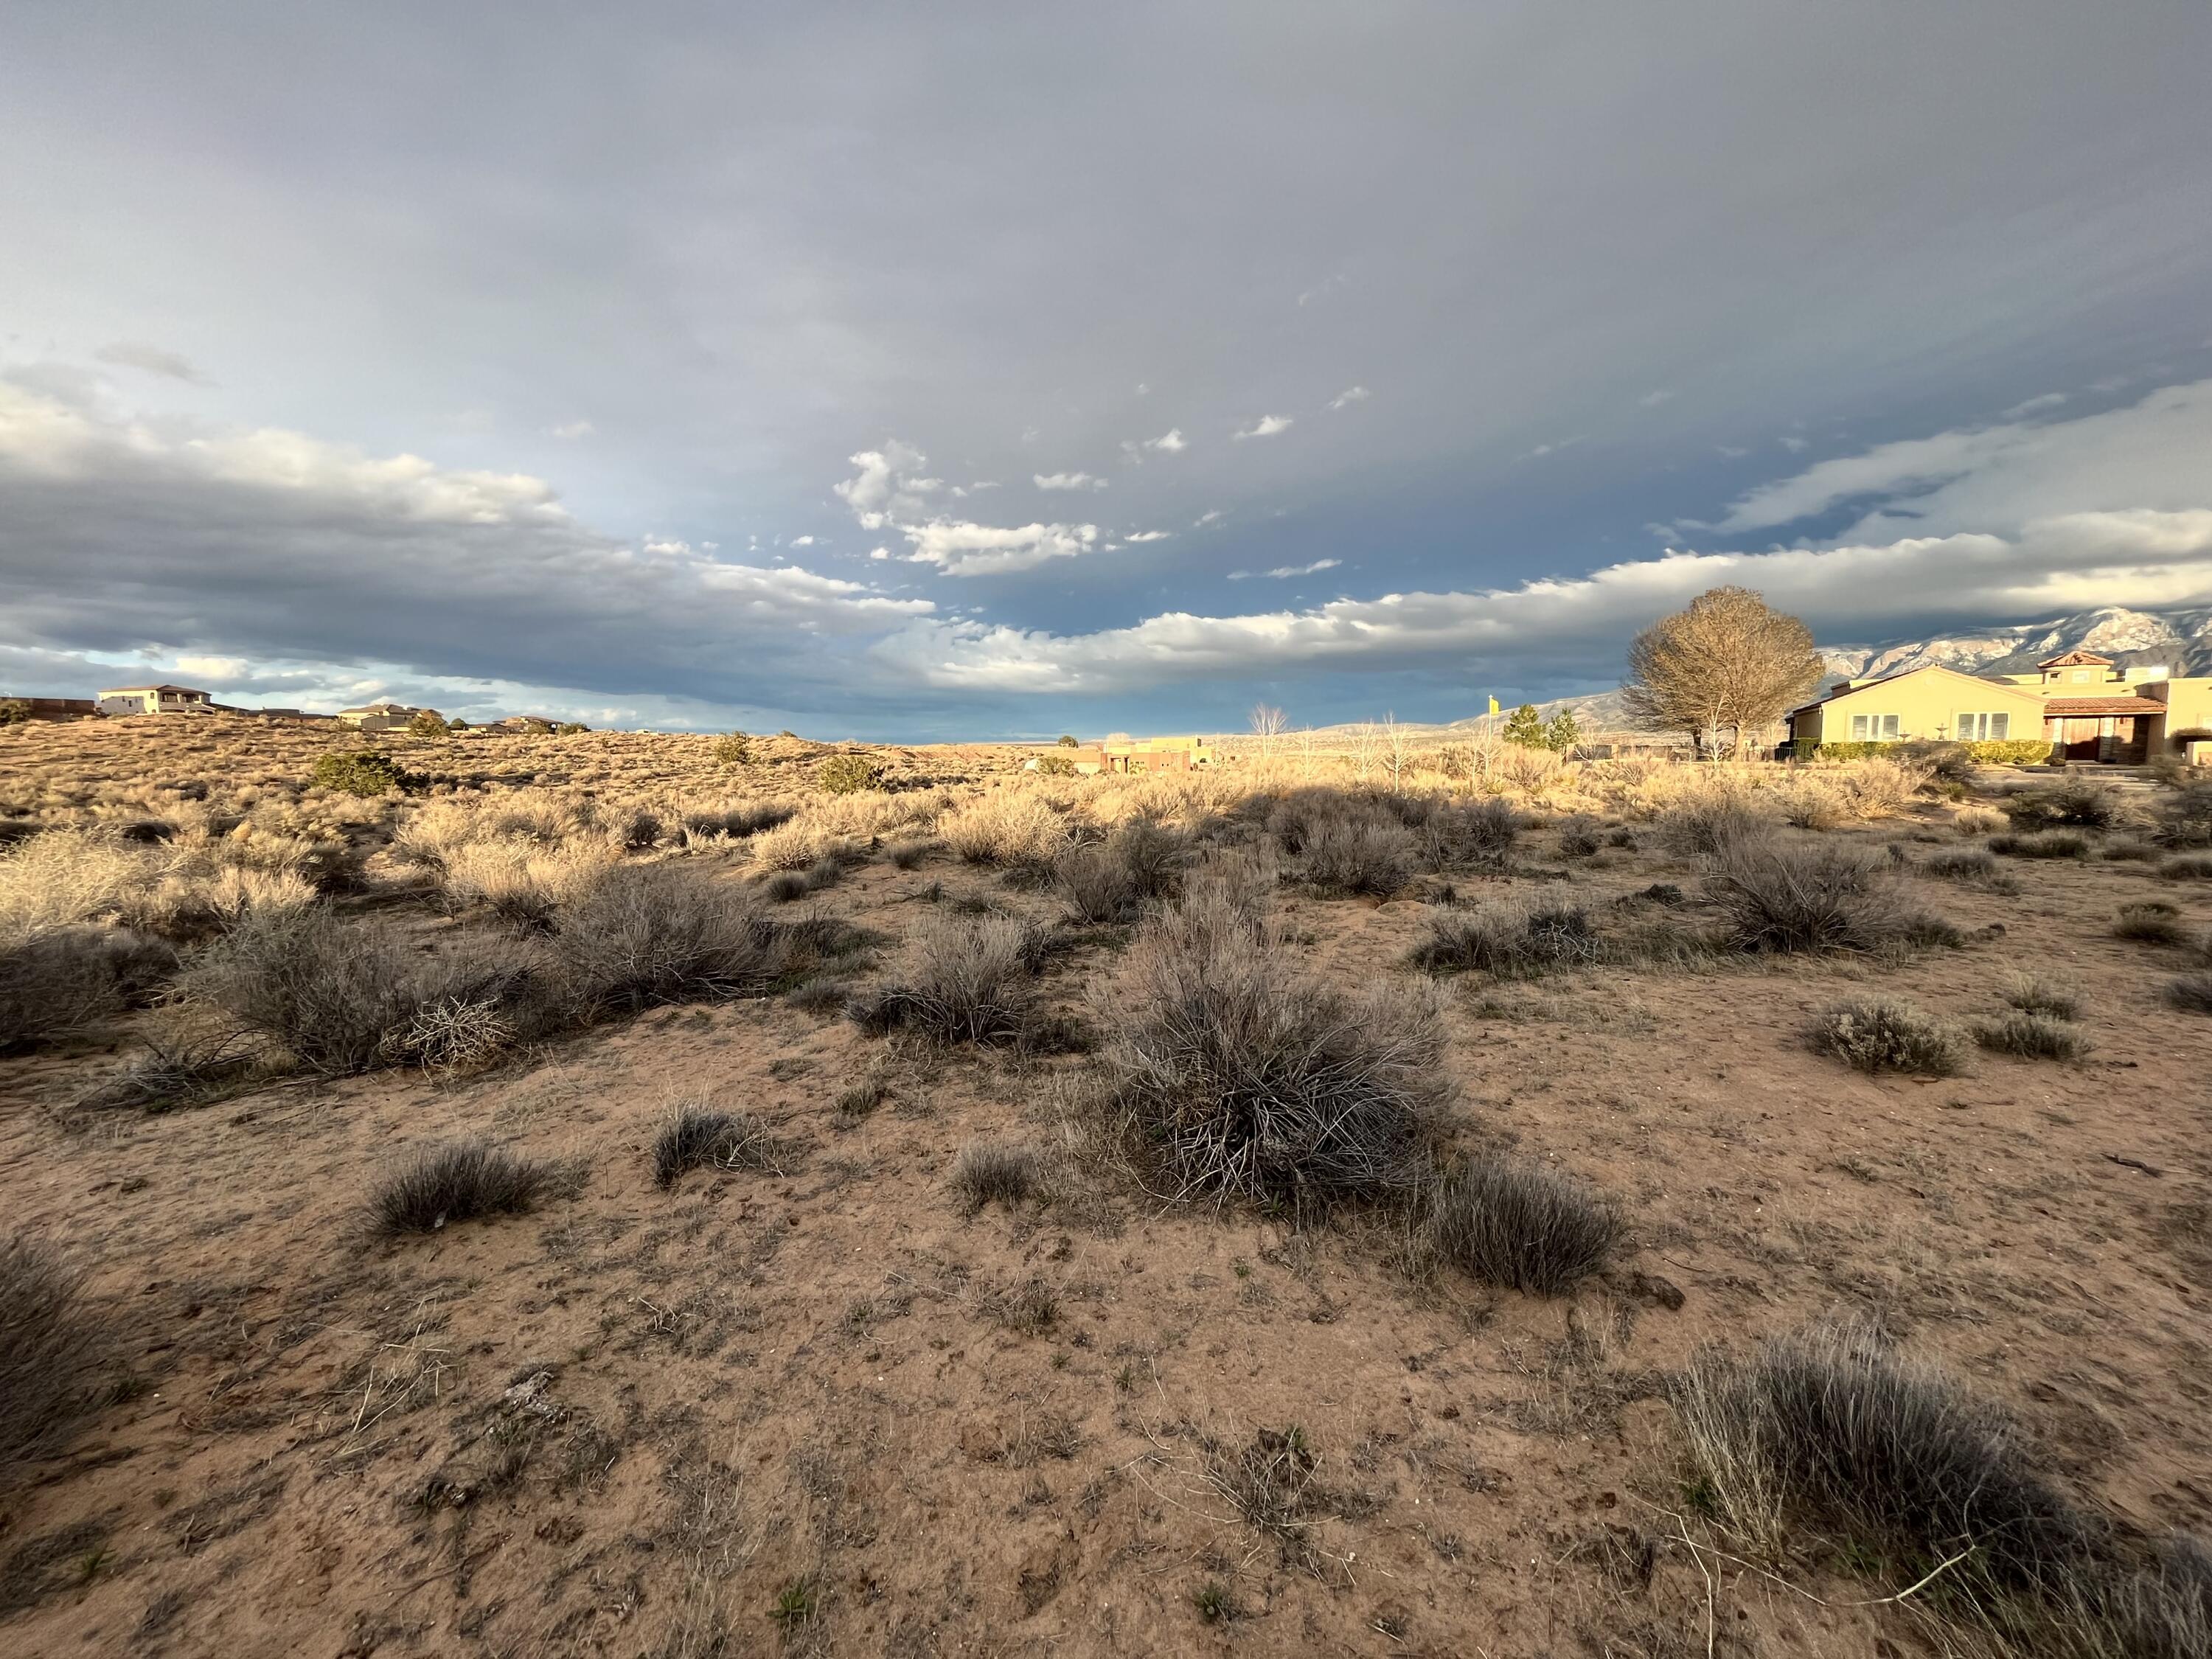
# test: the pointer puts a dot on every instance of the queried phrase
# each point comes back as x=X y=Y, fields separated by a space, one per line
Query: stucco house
x=382 y=716
x=153 y=700
x=1125 y=754
x=2084 y=706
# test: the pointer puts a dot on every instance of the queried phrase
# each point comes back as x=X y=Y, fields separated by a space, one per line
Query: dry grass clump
x=1014 y=829
x=1111 y=881
x=797 y=844
x=50 y=1350
x=2190 y=992
x=652 y=933
x=2149 y=922
x=991 y=1172
x=1828 y=1430
x=1522 y=1225
x=176 y=1073
x=966 y=979
x=1512 y=938
x=2032 y=996
x=2187 y=867
x=1887 y=1034
x=1776 y=896
x=60 y=983
x=2088 y=803
x=1238 y=1074
x=1972 y=821
x=521 y=884
x=1450 y=834
x=2184 y=815
x=460 y=1181
x=698 y=1137
x=2031 y=1036
x=1975 y=869
x=2051 y=844
x=908 y=855
x=1357 y=855
x=1707 y=826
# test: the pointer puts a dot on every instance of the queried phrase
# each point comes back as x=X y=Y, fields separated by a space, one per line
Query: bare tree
x=1727 y=664
x=1362 y=747
x=1267 y=725
x=1397 y=749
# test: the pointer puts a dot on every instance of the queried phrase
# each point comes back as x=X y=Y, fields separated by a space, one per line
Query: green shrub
x=427 y=724
x=2013 y=751
x=2036 y=996
x=1067 y=742
x=735 y=750
x=849 y=775
x=13 y=711
x=1055 y=766
x=362 y=772
x=1886 y=1033
x=570 y=729
x=1512 y=938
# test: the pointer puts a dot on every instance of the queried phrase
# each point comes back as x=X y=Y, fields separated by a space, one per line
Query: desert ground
x=944 y=1343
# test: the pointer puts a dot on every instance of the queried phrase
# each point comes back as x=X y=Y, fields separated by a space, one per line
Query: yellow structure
x=2084 y=706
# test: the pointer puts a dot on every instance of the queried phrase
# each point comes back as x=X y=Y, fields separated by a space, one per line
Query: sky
x=962 y=371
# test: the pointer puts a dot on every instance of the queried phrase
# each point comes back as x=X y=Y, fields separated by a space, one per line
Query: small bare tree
x=1397 y=750
x=1267 y=725
x=1362 y=747
x=1722 y=667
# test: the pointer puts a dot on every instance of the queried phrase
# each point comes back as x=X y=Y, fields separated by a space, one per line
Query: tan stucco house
x=382 y=716
x=153 y=700
x=2086 y=708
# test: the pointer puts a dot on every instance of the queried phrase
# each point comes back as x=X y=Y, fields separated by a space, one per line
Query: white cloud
x=152 y=359
x=1350 y=394
x=1730 y=451
x=802 y=541
x=572 y=429
x=1282 y=572
x=1542 y=450
x=1266 y=427
x=1795 y=446
x=976 y=549
x=1205 y=518
x=1148 y=535
x=1066 y=481
x=2004 y=524
x=1653 y=399
x=2035 y=405
x=125 y=533
x=1170 y=442
x=878 y=492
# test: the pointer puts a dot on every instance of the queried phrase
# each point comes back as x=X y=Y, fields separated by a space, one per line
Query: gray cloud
x=135 y=353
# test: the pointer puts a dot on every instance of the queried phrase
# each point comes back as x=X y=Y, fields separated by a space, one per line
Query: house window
x=1874 y=728
x=1984 y=728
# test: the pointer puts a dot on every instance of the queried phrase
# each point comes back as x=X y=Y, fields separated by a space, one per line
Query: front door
x=2078 y=739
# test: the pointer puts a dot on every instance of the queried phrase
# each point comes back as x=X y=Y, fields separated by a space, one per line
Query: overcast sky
x=951 y=370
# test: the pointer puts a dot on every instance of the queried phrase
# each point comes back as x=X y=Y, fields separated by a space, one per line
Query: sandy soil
x=630 y=1422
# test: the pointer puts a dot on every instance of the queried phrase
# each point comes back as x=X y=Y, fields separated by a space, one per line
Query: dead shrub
x=2032 y=995
x=1012 y=829
x=1780 y=896
x=2187 y=867
x=175 y=1073
x=1097 y=886
x=1357 y=855
x=784 y=886
x=1887 y=1034
x=50 y=1350
x=1238 y=1074
x=992 y=1172
x=1453 y=835
x=1971 y=869
x=1977 y=820
x=697 y=1137
x=335 y=996
x=1708 y=827
x=652 y=934
x=1522 y=1225
x=1579 y=838
x=2051 y=844
x=461 y=1181
x=57 y=984
x=1512 y=938
x=2184 y=815
x=967 y=979
x=2089 y=802
x=2153 y=922
x=908 y=855
x=1828 y=1429
x=2031 y=1036
x=2190 y=992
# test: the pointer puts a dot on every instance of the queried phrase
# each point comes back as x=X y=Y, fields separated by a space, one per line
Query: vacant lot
x=618 y=1199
